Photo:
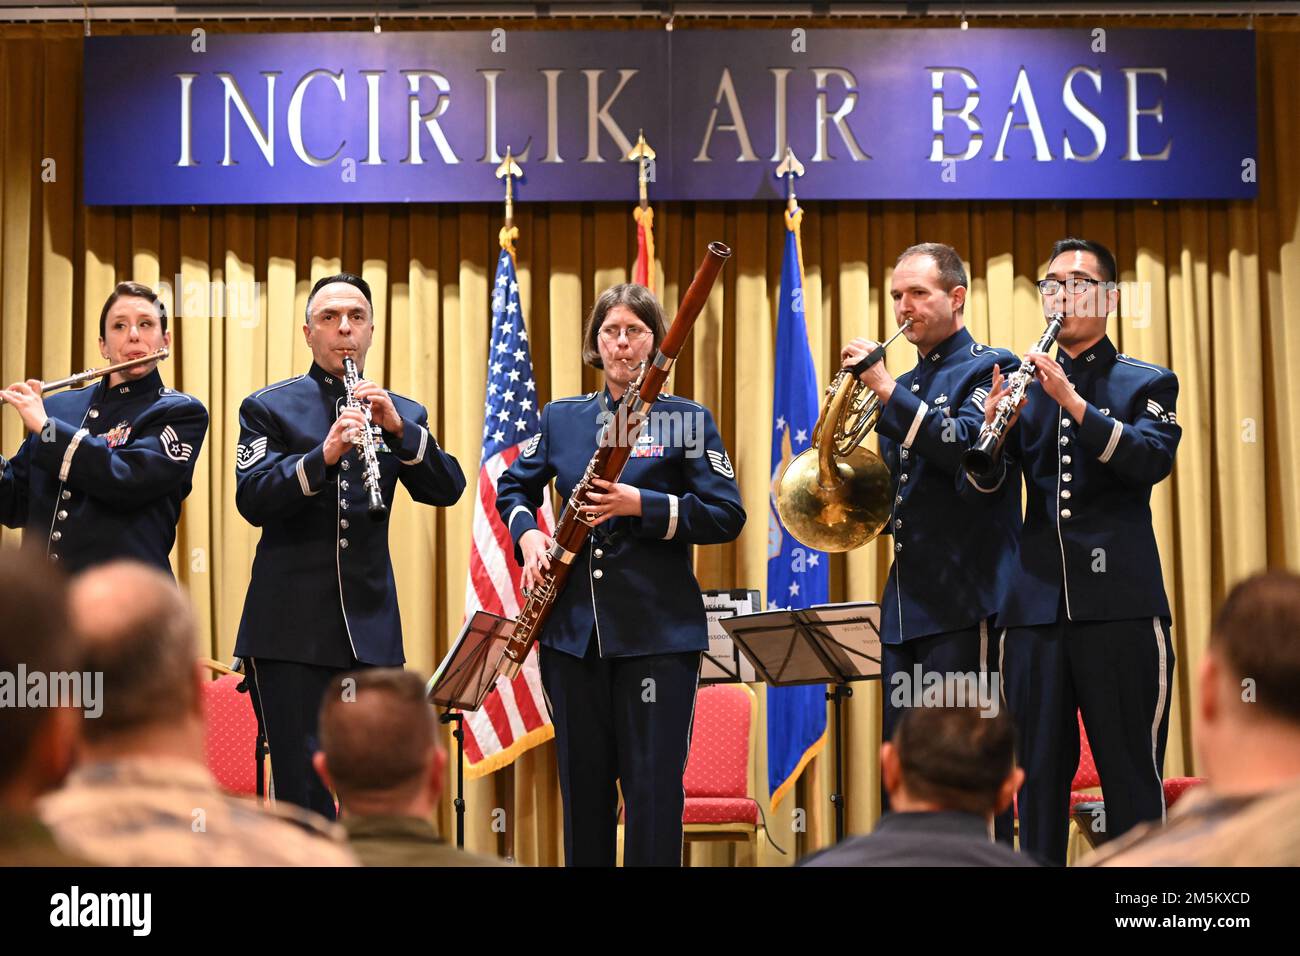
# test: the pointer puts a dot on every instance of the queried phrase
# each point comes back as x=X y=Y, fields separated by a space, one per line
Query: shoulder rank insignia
x=246 y=456
x=176 y=449
x=720 y=463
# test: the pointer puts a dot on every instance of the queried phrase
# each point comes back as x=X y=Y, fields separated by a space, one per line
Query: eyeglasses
x=634 y=333
x=1073 y=285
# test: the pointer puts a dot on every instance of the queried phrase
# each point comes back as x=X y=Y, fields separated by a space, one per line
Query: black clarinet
x=981 y=458
x=366 y=442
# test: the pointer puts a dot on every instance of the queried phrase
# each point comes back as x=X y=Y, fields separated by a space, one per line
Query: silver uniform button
x=343 y=543
x=1065 y=459
x=1065 y=513
x=898 y=499
x=598 y=574
x=66 y=494
x=898 y=546
x=903 y=453
x=1065 y=439
x=56 y=536
x=1066 y=494
x=344 y=504
x=93 y=413
x=599 y=553
x=1065 y=423
x=343 y=486
x=903 y=477
x=916 y=386
x=62 y=515
x=343 y=523
x=1067 y=477
x=344 y=464
x=898 y=523
x=54 y=557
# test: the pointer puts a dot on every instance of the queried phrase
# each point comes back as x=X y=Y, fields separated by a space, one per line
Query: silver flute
x=982 y=457
x=366 y=442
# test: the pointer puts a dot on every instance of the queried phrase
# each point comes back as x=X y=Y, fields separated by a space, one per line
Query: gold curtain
x=1217 y=284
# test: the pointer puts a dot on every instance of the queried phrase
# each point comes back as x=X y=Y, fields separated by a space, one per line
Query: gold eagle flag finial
x=509 y=170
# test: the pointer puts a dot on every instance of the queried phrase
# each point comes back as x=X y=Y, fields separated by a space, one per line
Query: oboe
x=981 y=457
x=365 y=442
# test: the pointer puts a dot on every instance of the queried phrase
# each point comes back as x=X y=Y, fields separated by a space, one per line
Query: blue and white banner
x=872 y=114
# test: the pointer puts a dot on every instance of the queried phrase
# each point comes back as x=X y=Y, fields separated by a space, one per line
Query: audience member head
x=951 y=758
x=138 y=631
x=1248 y=721
x=379 y=746
x=36 y=743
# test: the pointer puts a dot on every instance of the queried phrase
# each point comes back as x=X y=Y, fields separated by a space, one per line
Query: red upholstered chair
x=1086 y=777
x=230 y=742
x=721 y=770
x=1175 y=787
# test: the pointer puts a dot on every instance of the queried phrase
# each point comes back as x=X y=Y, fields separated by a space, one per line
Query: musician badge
x=118 y=435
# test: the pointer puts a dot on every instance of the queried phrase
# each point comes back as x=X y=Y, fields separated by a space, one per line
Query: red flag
x=644 y=271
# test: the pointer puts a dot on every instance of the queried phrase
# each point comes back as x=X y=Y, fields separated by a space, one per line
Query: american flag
x=513 y=718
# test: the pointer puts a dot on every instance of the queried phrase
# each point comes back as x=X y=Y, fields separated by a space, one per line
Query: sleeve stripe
x=515 y=513
x=302 y=479
x=916 y=424
x=672 y=517
x=1115 y=434
x=419 y=455
x=67 y=455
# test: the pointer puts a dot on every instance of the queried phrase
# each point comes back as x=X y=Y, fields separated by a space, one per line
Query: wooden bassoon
x=617 y=438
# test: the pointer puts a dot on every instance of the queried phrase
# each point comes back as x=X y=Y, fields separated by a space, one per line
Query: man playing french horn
x=953 y=545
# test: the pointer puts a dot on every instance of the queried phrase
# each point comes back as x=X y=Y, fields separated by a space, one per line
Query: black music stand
x=825 y=644
x=462 y=682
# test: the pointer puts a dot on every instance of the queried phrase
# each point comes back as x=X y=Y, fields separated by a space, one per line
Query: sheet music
x=722 y=661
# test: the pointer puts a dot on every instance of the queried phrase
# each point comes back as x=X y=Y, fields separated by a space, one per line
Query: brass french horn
x=836 y=495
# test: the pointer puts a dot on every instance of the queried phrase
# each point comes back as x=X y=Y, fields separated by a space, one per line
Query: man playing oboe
x=322 y=598
x=1085 y=620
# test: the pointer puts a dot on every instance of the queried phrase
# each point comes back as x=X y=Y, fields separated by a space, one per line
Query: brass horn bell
x=835 y=495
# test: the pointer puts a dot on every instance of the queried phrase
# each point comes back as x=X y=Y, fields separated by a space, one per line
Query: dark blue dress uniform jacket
x=632 y=585
x=954 y=545
x=109 y=481
x=1088 y=536
x=322 y=589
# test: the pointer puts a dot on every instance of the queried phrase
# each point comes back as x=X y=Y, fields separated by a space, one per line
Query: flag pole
x=791 y=168
x=643 y=215
x=508 y=170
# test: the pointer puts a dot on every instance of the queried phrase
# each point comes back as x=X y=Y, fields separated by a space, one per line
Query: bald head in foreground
x=141 y=794
x=380 y=754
